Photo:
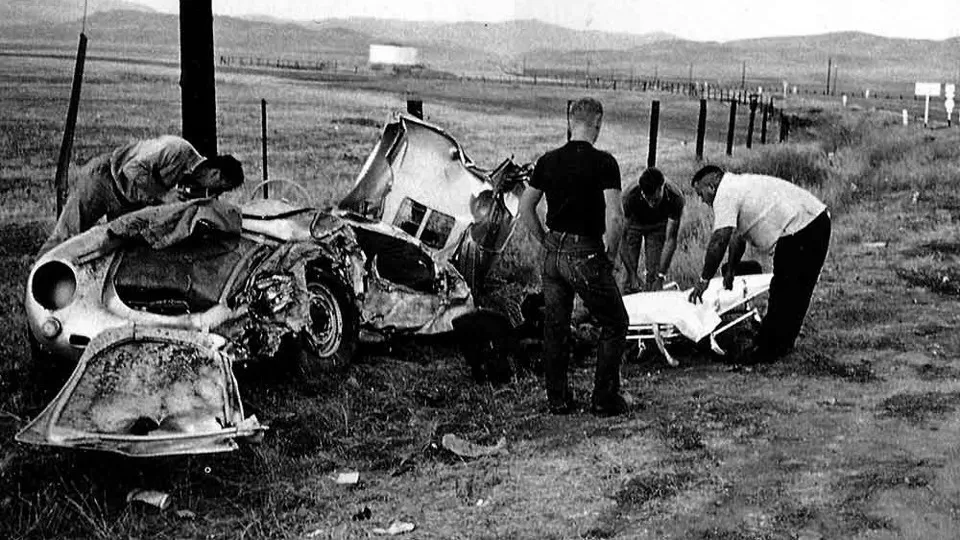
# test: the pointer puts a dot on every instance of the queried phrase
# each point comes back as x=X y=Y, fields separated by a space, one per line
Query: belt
x=575 y=237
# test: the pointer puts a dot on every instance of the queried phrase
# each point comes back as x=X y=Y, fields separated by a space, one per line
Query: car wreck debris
x=158 y=499
x=155 y=308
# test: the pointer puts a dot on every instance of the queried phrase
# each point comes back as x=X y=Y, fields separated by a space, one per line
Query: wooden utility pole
x=197 y=89
x=743 y=77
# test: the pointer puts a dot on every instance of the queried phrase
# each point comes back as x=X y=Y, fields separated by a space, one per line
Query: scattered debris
x=158 y=499
x=397 y=527
x=468 y=449
x=186 y=514
x=362 y=515
x=348 y=478
x=874 y=245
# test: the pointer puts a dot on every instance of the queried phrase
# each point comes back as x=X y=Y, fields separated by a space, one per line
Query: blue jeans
x=576 y=265
x=651 y=238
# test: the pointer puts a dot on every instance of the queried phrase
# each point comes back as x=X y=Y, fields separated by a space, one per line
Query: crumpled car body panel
x=147 y=392
x=410 y=245
x=419 y=178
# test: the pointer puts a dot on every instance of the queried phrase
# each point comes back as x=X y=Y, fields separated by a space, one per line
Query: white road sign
x=927 y=89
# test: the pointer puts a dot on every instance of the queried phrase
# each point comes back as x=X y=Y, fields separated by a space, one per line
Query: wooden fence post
x=731 y=126
x=569 y=104
x=654 y=128
x=784 y=127
x=701 y=128
x=763 y=122
x=753 y=117
x=66 y=144
x=263 y=146
x=415 y=107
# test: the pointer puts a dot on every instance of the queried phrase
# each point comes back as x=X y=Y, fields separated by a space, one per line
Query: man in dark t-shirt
x=583 y=226
x=652 y=208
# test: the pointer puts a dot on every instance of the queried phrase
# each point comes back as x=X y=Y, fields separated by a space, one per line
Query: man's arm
x=528 y=212
x=614 y=223
x=669 y=245
x=735 y=253
x=719 y=241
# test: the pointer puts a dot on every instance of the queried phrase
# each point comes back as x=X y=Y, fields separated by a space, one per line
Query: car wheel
x=329 y=342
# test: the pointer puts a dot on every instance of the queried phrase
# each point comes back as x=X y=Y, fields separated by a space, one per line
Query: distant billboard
x=927 y=89
x=393 y=55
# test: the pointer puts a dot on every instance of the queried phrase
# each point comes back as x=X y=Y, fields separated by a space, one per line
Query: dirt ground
x=852 y=436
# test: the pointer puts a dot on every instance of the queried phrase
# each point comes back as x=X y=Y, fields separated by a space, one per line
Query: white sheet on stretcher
x=695 y=321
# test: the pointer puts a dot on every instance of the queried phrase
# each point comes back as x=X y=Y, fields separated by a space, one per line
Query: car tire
x=329 y=342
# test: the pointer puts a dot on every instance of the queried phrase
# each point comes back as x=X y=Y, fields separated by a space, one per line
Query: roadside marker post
x=949 y=90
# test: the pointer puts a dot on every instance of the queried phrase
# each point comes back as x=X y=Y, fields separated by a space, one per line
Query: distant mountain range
x=492 y=48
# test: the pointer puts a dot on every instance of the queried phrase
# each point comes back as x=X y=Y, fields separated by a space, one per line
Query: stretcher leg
x=663 y=347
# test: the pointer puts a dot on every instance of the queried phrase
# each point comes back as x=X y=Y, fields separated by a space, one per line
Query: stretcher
x=661 y=317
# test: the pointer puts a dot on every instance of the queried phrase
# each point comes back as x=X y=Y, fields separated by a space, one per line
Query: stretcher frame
x=662 y=334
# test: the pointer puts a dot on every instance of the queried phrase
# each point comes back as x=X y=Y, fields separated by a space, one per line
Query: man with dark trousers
x=584 y=221
x=652 y=208
x=139 y=174
x=777 y=217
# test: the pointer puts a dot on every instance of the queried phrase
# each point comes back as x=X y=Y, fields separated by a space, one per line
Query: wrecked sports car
x=156 y=307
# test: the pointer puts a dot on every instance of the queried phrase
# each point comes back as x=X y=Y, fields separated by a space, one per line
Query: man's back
x=573 y=178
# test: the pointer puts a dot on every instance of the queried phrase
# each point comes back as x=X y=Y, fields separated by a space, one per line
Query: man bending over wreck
x=137 y=175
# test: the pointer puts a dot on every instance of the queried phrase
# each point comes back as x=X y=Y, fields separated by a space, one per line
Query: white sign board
x=949 y=90
x=927 y=89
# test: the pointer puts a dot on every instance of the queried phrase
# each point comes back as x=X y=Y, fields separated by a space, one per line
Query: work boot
x=610 y=405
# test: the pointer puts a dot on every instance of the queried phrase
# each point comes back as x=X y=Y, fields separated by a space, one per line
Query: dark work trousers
x=649 y=237
x=93 y=196
x=797 y=261
x=577 y=265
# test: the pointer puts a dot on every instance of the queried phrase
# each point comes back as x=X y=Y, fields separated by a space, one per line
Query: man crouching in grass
x=581 y=239
x=777 y=217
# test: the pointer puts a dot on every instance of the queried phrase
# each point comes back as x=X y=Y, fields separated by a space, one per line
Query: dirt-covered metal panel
x=147 y=392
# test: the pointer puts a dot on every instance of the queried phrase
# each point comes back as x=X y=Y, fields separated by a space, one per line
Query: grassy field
x=852 y=436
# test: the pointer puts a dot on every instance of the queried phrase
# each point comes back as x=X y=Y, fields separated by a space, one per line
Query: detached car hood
x=147 y=392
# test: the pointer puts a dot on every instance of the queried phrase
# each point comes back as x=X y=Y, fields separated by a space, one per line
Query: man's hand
x=656 y=284
x=728 y=277
x=696 y=295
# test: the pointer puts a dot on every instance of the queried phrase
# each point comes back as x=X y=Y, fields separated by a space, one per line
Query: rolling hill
x=498 y=48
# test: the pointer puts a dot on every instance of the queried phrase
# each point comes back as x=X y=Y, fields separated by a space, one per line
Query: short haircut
x=650 y=180
x=230 y=169
x=586 y=110
x=704 y=172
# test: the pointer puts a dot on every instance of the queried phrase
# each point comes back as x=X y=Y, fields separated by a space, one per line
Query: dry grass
x=715 y=453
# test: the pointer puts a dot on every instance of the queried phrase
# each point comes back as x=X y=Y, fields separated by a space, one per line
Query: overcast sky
x=701 y=20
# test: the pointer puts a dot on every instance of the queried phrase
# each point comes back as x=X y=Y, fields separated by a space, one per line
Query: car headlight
x=54 y=285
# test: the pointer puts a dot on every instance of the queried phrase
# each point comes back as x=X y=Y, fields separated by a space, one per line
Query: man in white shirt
x=777 y=217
